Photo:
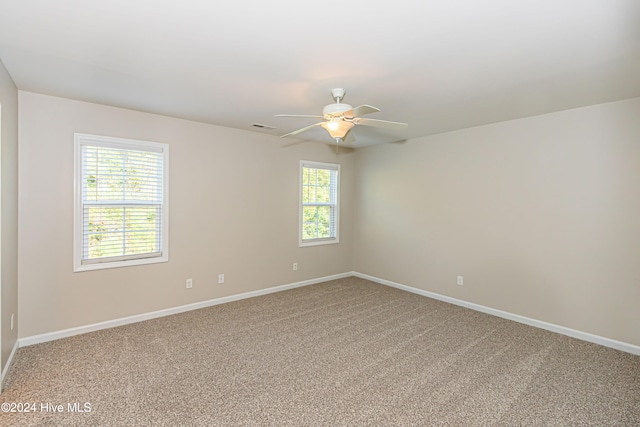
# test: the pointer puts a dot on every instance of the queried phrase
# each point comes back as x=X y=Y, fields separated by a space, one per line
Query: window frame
x=81 y=140
x=318 y=241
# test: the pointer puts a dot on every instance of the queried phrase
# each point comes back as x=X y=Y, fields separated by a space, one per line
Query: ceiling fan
x=340 y=118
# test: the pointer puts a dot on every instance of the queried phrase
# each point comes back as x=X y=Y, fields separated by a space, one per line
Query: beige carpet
x=345 y=352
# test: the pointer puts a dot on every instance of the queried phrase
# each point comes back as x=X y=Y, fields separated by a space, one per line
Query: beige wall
x=8 y=214
x=540 y=215
x=233 y=210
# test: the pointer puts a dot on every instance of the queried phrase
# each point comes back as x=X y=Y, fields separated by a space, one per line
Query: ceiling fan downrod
x=337 y=94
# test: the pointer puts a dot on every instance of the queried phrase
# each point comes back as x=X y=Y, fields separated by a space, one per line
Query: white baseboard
x=7 y=366
x=36 y=339
x=584 y=336
x=50 y=336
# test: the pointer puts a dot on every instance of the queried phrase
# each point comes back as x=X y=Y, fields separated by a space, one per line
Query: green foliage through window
x=319 y=202
x=122 y=196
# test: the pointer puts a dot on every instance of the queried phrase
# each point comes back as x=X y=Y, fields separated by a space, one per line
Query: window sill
x=318 y=242
x=118 y=264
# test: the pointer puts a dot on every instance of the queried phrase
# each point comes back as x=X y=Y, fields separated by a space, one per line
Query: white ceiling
x=437 y=65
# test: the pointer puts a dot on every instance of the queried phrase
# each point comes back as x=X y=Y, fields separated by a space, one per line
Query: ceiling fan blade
x=295 y=132
x=380 y=123
x=360 y=111
x=349 y=138
x=299 y=115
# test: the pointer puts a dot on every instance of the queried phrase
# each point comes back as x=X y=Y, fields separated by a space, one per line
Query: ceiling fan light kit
x=340 y=118
x=337 y=129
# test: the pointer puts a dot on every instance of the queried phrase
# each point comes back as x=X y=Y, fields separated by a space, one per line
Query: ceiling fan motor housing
x=335 y=109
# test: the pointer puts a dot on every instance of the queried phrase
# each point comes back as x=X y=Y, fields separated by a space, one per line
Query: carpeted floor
x=342 y=353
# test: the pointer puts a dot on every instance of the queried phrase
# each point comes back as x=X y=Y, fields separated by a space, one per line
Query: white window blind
x=122 y=203
x=319 y=210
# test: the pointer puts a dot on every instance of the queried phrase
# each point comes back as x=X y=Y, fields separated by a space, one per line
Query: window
x=121 y=202
x=319 y=195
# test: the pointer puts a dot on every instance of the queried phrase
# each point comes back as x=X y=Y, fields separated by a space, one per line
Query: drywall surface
x=9 y=214
x=541 y=216
x=233 y=209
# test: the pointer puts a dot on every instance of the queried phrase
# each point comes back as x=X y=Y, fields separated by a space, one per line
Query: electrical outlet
x=220 y=278
x=295 y=266
x=189 y=283
x=460 y=280
x=12 y=321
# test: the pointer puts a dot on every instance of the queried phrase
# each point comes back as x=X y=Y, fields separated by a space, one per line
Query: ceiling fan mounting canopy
x=340 y=118
x=337 y=94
